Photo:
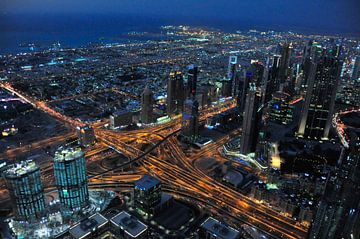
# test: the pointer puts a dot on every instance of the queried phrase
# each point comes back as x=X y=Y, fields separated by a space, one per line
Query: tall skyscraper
x=23 y=181
x=192 y=75
x=147 y=101
x=175 y=93
x=232 y=75
x=71 y=178
x=190 y=120
x=284 y=68
x=356 y=69
x=279 y=109
x=338 y=214
x=250 y=126
x=271 y=82
x=319 y=103
x=254 y=75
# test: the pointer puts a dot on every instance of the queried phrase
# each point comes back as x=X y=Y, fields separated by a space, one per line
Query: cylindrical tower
x=26 y=190
x=71 y=178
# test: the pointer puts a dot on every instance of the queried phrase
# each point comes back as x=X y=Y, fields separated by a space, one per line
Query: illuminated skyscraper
x=190 y=120
x=250 y=126
x=147 y=193
x=147 y=101
x=338 y=214
x=71 y=178
x=356 y=69
x=254 y=75
x=23 y=181
x=319 y=103
x=280 y=110
x=191 y=81
x=271 y=74
x=232 y=75
x=284 y=68
x=175 y=93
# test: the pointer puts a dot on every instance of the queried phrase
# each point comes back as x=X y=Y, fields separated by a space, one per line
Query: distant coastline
x=23 y=33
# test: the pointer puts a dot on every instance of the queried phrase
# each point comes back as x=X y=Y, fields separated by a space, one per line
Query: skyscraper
x=191 y=80
x=254 y=75
x=315 y=120
x=147 y=101
x=356 y=69
x=147 y=193
x=175 y=93
x=338 y=214
x=23 y=181
x=280 y=110
x=232 y=75
x=250 y=126
x=71 y=178
x=271 y=82
x=190 y=120
x=284 y=68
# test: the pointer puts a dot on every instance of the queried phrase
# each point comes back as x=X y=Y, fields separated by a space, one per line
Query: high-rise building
x=192 y=75
x=338 y=214
x=251 y=121
x=147 y=101
x=271 y=82
x=175 y=93
x=284 y=68
x=86 y=135
x=280 y=110
x=71 y=178
x=254 y=75
x=26 y=191
x=190 y=120
x=356 y=69
x=232 y=75
x=147 y=193
x=319 y=103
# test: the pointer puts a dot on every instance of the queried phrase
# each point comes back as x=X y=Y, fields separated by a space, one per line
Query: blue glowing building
x=23 y=181
x=147 y=193
x=71 y=179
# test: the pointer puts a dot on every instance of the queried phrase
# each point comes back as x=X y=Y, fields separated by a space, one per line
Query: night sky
x=334 y=15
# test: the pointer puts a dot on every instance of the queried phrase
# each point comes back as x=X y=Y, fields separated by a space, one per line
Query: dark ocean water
x=18 y=31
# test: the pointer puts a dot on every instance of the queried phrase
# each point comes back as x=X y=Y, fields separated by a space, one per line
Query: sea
x=29 y=32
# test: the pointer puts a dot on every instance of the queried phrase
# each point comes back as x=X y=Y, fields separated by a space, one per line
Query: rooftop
x=130 y=224
x=147 y=182
x=68 y=154
x=19 y=169
x=219 y=229
x=85 y=227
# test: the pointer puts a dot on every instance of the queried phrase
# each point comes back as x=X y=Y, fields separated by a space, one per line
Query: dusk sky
x=329 y=14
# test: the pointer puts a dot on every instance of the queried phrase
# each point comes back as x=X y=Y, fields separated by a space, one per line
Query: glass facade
x=71 y=178
x=26 y=190
x=147 y=193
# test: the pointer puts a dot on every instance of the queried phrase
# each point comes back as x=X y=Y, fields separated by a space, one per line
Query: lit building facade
x=71 y=178
x=147 y=193
x=192 y=75
x=190 y=120
x=315 y=119
x=251 y=121
x=147 y=101
x=280 y=110
x=175 y=93
x=23 y=181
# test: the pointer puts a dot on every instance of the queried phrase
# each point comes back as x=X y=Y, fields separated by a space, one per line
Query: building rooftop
x=68 y=154
x=147 y=182
x=19 y=169
x=220 y=230
x=85 y=227
x=130 y=224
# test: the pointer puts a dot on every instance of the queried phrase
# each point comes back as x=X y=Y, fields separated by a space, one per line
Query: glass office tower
x=71 y=179
x=26 y=190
